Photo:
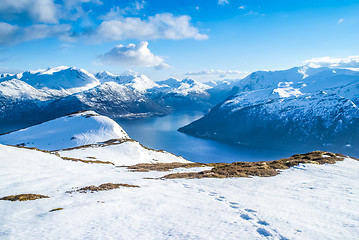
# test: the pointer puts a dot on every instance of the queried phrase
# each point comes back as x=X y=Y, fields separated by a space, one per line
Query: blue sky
x=201 y=39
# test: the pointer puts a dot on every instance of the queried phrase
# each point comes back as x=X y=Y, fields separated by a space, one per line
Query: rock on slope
x=299 y=105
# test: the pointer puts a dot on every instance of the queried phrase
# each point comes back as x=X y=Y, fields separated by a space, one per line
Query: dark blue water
x=161 y=133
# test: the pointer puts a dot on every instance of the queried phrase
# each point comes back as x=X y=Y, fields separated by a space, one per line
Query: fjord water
x=161 y=133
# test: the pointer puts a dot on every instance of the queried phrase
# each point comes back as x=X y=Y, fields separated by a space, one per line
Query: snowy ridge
x=140 y=83
x=67 y=79
x=182 y=87
x=121 y=153
x=70 y=131
x=317 y=105
x=88 y=135
x=49 y=93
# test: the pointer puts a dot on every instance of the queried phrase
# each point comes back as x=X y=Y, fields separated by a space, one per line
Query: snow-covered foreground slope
x=121 y=153
x=305 y=202
x=74 y=130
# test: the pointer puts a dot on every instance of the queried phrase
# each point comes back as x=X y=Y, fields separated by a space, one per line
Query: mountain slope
x=299 y=105
x=37 y=96
x=140 y=83
x=70 y=131
x=280 y=207
x=69 y=80
x=87 y=136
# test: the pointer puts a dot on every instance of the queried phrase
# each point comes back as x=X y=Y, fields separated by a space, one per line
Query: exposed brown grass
x=22 y=145
x=56 y=209
x=23 y=197
x=162 y=167
x=103 y=187
x=115 y=142
x=260 y=169
x=86 y=161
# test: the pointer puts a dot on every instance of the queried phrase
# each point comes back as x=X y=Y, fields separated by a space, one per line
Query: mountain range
x=37 y=96
x=299 y=105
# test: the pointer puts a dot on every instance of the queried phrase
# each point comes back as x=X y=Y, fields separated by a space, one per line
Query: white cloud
x=12 y=34
x=160 y=26
x=223 y=2
x=212 y=75
x=38 y=31
x=43 y=11
x=8 y=33
x=133 y=56
x=214 y=72
x=341 y=20
x=349 y=62
x=242 y=7
x=117 y=12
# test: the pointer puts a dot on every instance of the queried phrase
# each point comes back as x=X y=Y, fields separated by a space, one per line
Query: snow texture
x=66 y=132
x=304 y=202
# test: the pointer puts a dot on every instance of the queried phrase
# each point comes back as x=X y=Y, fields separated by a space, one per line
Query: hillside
x=299 y=105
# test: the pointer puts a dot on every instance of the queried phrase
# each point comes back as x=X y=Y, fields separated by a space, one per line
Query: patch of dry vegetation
x=23 y=197
x=162 y=167
x=56 y=209
x=86 y=161
x=260 y=169
x=115 y=142
x=103 y=187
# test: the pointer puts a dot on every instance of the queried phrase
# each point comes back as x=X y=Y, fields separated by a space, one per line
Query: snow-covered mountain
x=186 y=94
x=307 y=105
x=85 y=136
x=74 y=130
x=183 y=87
x=36 y=96
x=137 y=82
x=67 y=79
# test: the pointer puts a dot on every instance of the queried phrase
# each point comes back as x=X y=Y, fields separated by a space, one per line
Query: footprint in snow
x=245 y=217
x=264 y=232
x=186 y=186
x=249 y=210
x=264 y=223
x=234 y=205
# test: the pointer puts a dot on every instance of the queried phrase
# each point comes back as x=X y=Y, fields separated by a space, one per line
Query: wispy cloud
x=133 y=56
x=349 y=62
x=214 y=72
x=341 y=20
x=160 y=26
x=210 y=75
x=223 y=2
x=13 y=34
x=25 y=20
